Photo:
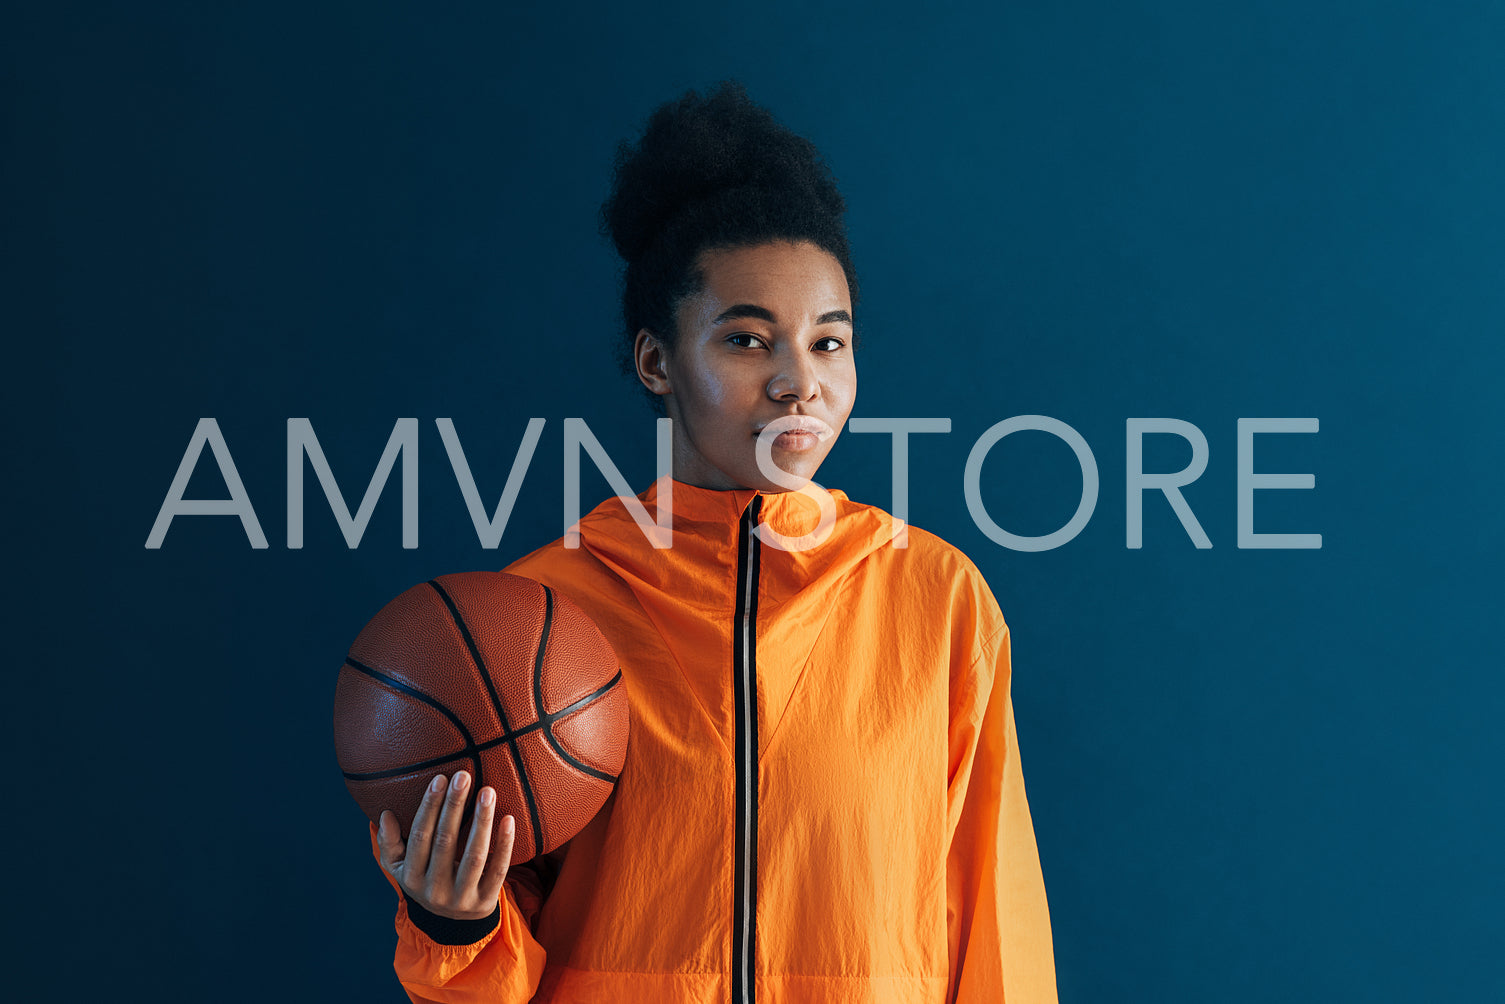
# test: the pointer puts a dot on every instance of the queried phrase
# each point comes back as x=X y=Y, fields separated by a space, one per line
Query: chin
x=803 y=471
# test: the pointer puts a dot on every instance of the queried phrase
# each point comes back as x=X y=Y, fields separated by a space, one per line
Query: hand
x=425 y=867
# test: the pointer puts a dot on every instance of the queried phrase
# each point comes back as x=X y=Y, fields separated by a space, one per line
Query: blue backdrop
x=1255 y=774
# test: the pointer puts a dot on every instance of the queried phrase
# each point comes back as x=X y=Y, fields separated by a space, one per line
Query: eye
x=745 y=340
x=830 y=343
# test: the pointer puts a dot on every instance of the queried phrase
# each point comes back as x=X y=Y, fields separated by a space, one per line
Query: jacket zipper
x=744 y=684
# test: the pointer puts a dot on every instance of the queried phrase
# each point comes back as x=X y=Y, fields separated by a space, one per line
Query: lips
x=796 y=429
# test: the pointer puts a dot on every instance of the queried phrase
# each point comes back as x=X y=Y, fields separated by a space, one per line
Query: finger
x=421 y=836
x=389 y=840
x=473 y=861
x=441 y=867
x=490 y=889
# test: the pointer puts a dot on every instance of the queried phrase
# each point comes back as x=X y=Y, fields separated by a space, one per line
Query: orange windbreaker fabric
x=895 y=858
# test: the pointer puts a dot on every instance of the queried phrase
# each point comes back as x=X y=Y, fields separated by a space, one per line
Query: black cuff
x=447 y=930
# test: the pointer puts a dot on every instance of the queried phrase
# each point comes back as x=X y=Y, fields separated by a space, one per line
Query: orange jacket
x=822 y=800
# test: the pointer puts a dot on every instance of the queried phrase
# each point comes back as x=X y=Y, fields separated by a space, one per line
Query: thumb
x=388 y=839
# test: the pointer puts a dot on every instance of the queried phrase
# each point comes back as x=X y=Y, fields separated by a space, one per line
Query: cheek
x=713 y=390
x=841 y=391
x=710 y=406
x=702 y=388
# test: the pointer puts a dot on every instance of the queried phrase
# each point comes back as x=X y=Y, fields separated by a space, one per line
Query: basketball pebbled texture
x=495 y=674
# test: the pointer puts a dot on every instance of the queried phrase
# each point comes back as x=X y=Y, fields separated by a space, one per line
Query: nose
x=796 y=379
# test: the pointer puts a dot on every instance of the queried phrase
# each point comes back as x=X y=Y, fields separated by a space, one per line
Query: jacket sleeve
x=502 y=967
x=998 y=921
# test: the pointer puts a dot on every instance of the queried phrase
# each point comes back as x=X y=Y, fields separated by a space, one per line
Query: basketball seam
x=590 y=698
x=501 y=712
x=548 y=732
x=471 y=750
x=468 y=750
x=580 y=705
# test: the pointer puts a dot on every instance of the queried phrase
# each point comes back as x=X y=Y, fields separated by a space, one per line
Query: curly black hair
x=711 y=172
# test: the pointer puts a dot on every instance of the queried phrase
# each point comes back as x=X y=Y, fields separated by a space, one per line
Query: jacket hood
x=705 y=526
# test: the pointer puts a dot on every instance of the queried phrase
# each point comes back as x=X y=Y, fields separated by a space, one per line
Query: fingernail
x=487 y=797
x=508 y=825
x=462 y=780
x=437 y=784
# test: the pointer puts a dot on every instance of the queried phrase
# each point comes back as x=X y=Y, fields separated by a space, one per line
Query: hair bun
x=714 y=149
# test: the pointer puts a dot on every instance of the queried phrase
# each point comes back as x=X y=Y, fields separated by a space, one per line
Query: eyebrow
x=742 y=311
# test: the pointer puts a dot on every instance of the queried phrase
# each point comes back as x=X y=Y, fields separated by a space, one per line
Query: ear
x=652 y=358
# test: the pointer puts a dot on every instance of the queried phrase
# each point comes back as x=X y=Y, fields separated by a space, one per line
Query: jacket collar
x=790 y=513
x=706 y=523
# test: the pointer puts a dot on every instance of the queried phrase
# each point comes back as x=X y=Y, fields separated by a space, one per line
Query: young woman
x=822 y=799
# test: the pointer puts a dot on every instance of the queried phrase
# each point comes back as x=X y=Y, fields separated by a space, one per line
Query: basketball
x=490 y=673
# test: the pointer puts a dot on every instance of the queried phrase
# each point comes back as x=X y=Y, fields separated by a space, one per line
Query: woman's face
x=768 y=338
